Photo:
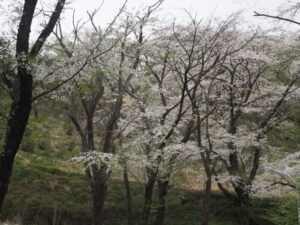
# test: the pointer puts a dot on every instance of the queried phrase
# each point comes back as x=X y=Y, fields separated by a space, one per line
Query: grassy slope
x=46 y=187
x=40 y=193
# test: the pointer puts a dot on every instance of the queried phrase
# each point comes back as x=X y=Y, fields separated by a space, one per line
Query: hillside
x=47 y=188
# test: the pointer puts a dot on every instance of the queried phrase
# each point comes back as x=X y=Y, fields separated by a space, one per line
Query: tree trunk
x=148 y=199
x=19 y=115
x=206 y=201
x=21 y=105
x=244 y=216
x=162 y=192
x=298 y=206
x=99 y=187
x=128 y=198
x=243 y=201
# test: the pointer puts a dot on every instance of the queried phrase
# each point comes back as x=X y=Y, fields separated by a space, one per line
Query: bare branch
x=276 y=17
x=48 y=29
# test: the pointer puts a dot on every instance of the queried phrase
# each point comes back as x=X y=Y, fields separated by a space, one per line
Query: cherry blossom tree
x=100 y=90
x=249 y=91
x=179 y=59
x=204 y=49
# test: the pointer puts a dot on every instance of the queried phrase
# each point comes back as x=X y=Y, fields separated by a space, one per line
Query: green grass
x=40 y=192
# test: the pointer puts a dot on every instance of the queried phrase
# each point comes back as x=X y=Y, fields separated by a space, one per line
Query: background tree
x=101 y=90
x=248 y=88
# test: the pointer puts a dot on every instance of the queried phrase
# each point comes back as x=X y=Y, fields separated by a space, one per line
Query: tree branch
x=48 y=29
x=276 y=17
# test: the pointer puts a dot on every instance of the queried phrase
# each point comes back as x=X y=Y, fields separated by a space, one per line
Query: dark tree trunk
x=243 y=201
x=21 y=105
x=161 y=209
x=17 y=122
x=128 y=198
x=99 y=188
x=98 y=204
x=244 y=217
x=98 y=176
x=148 y=199
x=207 y=162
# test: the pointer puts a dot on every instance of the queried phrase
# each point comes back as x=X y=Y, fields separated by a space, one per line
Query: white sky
x=169 y=10
x=174 y=8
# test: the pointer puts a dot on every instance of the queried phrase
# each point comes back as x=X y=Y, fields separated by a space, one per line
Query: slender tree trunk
x=298 y=206
x=148 y=199
x=206 y=200
x=207 y=162
x=128 y=198
x=98 y=175
x=162 y=192
x=55 y=215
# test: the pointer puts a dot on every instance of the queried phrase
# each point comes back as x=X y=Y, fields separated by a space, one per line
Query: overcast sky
x=169 y=10
x=174 y=8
